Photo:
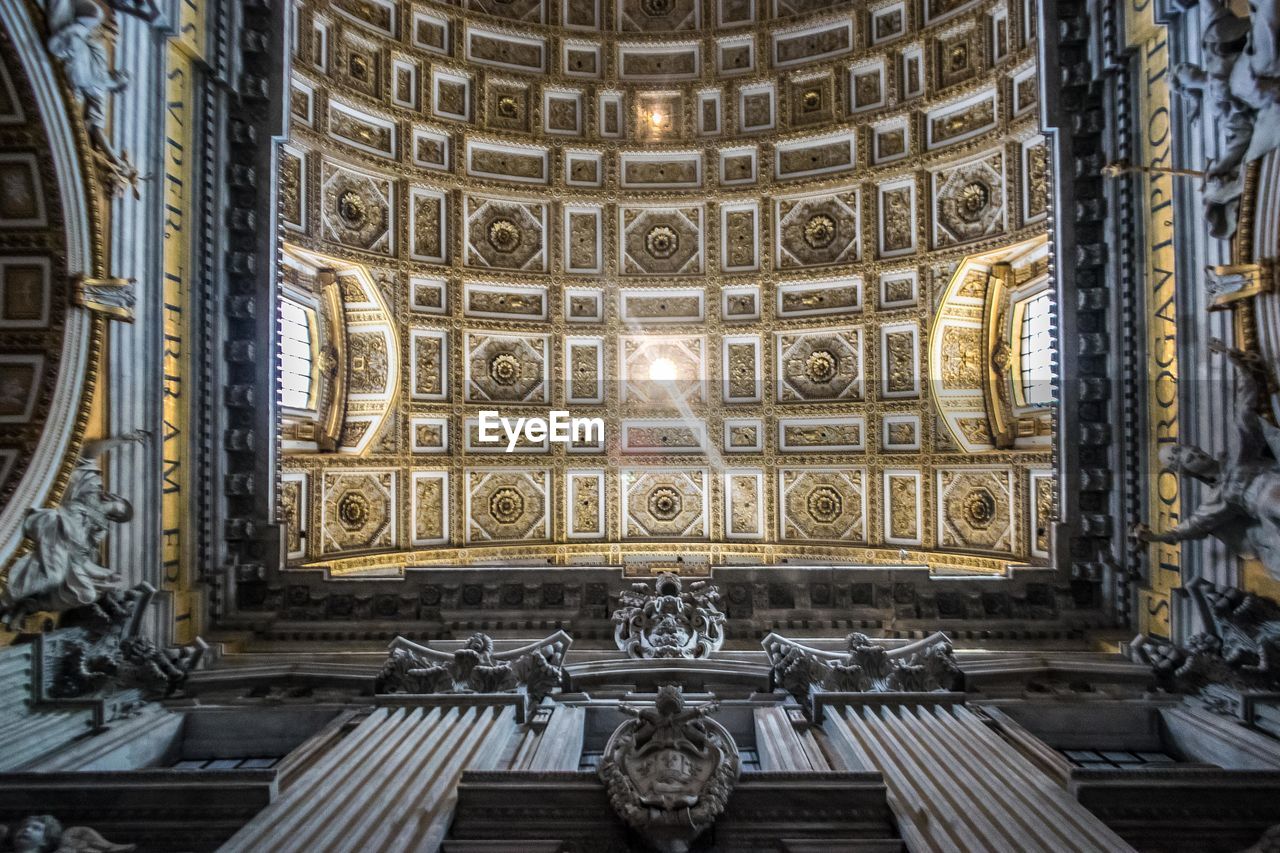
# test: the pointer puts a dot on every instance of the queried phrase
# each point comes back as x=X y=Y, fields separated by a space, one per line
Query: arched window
x=297 y=355
x=1035 y=351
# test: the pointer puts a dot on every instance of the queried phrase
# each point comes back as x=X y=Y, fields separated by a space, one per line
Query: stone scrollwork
x=1239 y=647
x=535 y=669
x=45 y=834
x=663 y=620
x=1244 y=489
x=62 y=572
x=669 y=770
x=1240 y=81
x=925 y=666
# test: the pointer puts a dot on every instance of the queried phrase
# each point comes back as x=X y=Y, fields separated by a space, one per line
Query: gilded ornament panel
x=976 y=510
x=356 y=208
x=820 y=365
x=505 y=235
x=664 y=503
x=969 y=201
x=585 y=503
x=501 y=368
x=823 y=505
x=661 y=240
x=744 y=503
x=508 y=505
x=429 y=508
x=828 y=434
x=816 y=231
x=358 y=511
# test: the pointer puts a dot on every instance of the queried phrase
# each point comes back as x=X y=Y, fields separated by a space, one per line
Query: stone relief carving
x=670 y=770
x=1239 y=648
x=1240 y=81
x=102 y=650
x=45 y=834
x=79 y=33
x=61 y=572
x=663 y=620
x=535 y=669
x=1242 y=503
x=925 y=666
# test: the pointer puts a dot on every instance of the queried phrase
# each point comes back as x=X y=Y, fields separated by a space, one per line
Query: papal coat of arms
x=664 y=620
x=669 y=770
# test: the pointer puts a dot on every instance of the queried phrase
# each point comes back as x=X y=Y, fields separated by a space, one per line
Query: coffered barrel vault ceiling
x=527 y=204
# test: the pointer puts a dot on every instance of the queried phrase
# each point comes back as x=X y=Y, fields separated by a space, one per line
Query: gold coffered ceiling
x=765 y=201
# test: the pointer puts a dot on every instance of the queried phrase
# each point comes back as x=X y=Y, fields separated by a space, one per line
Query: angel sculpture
x=77 y=40
x=44 y=834
x=1243 y=505
x=62 y=571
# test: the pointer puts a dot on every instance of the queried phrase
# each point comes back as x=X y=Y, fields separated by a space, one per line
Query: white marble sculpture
x=1242 y=504
x=1238 y=84
x=61 y=572
x=77 y=38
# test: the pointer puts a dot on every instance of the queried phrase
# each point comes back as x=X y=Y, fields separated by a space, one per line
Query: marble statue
x=535 y=669
x=663 y=620
x=1239 y=85
x=866 y=667
x=669 y=770
x=1242 y=507
x=44 y=834
x=61 y=572
x=78 y=40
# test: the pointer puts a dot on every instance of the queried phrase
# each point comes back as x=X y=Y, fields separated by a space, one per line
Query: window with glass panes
x=1036 y=352
x=297 y=324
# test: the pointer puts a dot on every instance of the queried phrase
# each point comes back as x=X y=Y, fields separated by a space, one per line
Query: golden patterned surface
x=751 y=192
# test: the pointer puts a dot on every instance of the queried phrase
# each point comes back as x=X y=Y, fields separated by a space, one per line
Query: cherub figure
x=62 y=570
x=44 y=834
x=1242 y=507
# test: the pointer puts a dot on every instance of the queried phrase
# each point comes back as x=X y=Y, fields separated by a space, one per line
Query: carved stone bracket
x=1237 y=652
x=867 y=667
x=670 y=770
x=101 y=656
x=662 y=620
x=535 y=669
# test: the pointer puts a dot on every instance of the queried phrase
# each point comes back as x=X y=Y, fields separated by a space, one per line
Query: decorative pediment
x=535 y=669
x=925 y=666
